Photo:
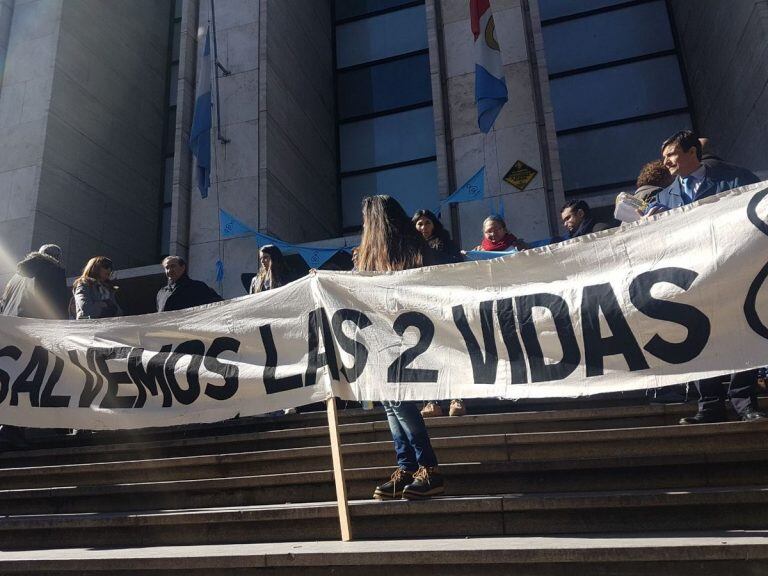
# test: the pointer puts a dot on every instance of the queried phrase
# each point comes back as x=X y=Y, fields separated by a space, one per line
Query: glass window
x=173 y=86
x=353 y=8
x=413 y=186
x=611 y=36
x=614 y=154
x=619 y=92
x=168 y=180
x=387 y=140
x=384 y=87
x=557 y=8
x=381 y=37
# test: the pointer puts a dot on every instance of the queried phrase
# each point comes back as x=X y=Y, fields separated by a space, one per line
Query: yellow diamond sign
x=520 y=175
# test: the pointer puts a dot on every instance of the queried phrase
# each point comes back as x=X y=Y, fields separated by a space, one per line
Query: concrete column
x=6 y=15
x=724 y=46
x=517 y=132
x=30 y=55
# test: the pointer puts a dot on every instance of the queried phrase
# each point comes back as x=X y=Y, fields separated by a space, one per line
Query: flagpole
x=226 y=72
x=345 y=524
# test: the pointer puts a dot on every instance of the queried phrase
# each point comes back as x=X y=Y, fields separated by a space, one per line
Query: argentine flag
x=200 y=134
x=490 y=86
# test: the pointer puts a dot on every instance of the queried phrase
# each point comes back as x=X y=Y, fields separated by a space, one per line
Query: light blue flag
x=314 y=257
x=545 y=242
x=231 y=227
x=488 y=255
x=472 y=189
x=200 y=133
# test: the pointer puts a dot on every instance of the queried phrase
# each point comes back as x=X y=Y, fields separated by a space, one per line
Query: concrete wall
x=235 y=176
x=300 y=122
x=516 y=134
x=99 y=190
x=181 y=178
x=24 y=103
x=277 y=172
x=725 y=50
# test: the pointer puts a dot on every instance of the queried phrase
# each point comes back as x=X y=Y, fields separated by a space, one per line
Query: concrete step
x=465 y=479
x=721 y=553
x=687 y=443
x=314 y=415
x=357 y=432
x=743 y=508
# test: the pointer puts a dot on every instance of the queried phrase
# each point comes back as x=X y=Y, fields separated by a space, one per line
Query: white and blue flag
x=490 y=85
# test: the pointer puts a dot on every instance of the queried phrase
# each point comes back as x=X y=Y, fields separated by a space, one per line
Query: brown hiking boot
x=431 y=410
x=457 y=408
x=427 y=482
x=393 y=489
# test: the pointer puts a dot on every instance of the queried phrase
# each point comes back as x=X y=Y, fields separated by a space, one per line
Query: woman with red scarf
x=496 y=237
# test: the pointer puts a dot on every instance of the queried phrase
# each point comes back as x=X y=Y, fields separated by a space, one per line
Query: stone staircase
x=611 y=490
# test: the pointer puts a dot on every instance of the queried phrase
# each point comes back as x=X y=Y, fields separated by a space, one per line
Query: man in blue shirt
x=681 y=154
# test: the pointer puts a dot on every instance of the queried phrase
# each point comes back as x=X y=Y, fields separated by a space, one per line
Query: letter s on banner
x=693 y=319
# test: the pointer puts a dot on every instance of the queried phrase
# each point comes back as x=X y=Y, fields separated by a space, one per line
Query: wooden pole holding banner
x=338 y=471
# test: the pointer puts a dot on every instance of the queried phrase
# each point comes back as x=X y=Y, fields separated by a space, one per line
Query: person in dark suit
x=577 y=219
x=181 y=291
x=682 y=154
x=38 y=289
x=694 y=180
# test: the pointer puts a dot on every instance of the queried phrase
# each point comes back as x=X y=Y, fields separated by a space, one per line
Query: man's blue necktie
x=686 y=184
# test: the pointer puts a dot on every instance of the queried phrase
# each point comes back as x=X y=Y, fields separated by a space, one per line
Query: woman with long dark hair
x=94 y=290
x=446 y=252
x=389 y=243
x=431 y=229
x=273 y=272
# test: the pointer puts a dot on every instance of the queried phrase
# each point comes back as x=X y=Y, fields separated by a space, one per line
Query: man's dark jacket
x=717 y=178
x=37 y=290
x=587 y=226
x=186 y=293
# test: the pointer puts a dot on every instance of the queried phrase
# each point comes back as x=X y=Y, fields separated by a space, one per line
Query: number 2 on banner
x=398 y=371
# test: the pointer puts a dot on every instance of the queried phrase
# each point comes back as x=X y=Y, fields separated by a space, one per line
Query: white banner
x=661 y=301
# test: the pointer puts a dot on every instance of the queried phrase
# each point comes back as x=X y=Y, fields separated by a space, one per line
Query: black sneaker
x=393 y=489
x=704 y=418
x=427 y=482
x=754 y=416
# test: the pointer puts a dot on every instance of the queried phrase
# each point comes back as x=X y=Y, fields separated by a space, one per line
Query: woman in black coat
x=446 y=252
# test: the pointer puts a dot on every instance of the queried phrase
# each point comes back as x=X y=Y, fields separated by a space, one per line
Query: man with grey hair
x=181 y=291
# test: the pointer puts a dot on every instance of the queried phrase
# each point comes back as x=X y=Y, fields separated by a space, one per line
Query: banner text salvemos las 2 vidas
x=661 y=301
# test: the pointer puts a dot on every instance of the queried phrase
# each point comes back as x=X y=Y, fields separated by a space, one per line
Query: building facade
x=319 y=103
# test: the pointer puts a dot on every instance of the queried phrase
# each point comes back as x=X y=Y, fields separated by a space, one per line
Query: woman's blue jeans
x=409 y=433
